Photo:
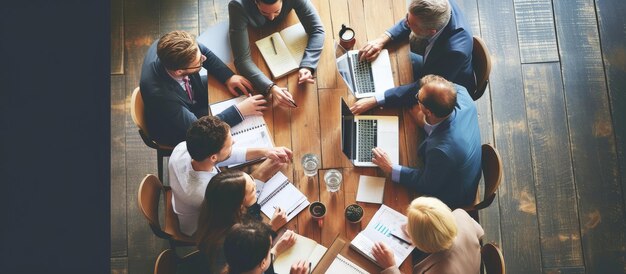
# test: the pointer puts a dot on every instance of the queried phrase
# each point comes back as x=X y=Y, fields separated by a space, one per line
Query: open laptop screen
x=348 y=135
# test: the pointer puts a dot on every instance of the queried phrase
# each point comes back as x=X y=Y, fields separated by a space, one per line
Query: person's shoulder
x=179 y=151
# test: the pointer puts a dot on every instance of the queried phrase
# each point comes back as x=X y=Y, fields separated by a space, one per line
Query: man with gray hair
x=441 y=44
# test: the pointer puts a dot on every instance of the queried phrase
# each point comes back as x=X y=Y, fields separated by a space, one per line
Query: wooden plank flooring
x=555 y=109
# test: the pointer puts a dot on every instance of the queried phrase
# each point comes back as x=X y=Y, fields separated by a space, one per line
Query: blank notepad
x=371 y=189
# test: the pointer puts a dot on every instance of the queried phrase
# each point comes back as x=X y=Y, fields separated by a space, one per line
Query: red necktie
x=188 y=87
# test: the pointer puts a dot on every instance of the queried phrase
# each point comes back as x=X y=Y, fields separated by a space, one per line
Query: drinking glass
x=310 y=164
x=333 y=180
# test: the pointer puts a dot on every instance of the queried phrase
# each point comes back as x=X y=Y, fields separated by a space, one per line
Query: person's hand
x=267 y=169
x=381 y=159
x=383 y=255
x=240 y=82
x=287 y=240
x=372 y=49
x=305 y=76
x=278 y=219
x=283 y=96
x=279 y=154
x=363 y=105
x=252 y=105
x=300 y=267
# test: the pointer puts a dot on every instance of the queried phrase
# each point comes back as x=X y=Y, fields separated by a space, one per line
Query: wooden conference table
x=314 y=127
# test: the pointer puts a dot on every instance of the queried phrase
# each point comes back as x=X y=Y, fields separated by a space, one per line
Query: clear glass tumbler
x=310 y=164
x=333 y=180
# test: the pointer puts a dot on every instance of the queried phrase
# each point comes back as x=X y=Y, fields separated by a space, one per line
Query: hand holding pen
x=283 y=97
x=279 y=219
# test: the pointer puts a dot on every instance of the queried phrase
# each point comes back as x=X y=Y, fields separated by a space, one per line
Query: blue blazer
x=167 y=108
x=452 y=157
x=450 y=58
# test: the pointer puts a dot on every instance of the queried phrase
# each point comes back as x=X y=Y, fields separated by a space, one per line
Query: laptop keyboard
x=367 y=139
x=364 y=79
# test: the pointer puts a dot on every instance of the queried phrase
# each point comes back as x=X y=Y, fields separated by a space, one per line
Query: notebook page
x=280 y=62
x=342 y=265
x=304 y=249
x=296 y=39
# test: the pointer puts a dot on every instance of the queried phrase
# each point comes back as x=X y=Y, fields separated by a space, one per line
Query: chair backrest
x=148 y=197
x=492 y=258
x=481 y=63
x=166 y=262
x=492 y=173
x=137 y=109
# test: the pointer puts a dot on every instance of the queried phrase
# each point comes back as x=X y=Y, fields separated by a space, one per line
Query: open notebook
x=385 y=223
x=283 y=50
x=250 y=133
x=280 y=192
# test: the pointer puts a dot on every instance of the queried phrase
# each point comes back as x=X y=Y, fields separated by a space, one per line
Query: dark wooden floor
x=555 y=110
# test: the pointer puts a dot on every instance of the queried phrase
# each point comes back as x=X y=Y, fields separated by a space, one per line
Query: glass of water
x=310 y=164
x=333 y=180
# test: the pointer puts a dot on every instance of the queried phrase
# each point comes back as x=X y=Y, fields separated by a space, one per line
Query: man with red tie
x=174 y=93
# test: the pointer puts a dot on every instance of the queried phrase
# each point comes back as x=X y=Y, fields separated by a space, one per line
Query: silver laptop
x=365 y=79
x=360 y=134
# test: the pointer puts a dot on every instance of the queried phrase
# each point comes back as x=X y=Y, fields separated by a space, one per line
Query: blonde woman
x=450 y=237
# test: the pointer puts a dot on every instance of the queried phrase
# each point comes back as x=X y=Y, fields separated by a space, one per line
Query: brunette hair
x=221 y=208
x=246 y=245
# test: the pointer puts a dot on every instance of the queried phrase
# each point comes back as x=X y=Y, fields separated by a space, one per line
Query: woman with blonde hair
x=452 y=239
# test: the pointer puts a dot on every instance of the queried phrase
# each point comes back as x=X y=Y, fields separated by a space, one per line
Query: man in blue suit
x=441 y=44
x=174 y=93
x=451 y=151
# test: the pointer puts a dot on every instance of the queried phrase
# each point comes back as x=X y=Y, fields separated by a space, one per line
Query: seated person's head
x=209 y=138
x=178 y=51
x=431 y=226
x=426 y=17
x=247 y=248
x=270 y=9
x=437 y=95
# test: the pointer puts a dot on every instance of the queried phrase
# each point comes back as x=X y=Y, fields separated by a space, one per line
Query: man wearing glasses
x=451 y=150
x=441 y=44
x=262 y=13
x=174 y=93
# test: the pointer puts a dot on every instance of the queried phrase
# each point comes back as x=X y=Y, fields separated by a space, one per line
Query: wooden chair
x=492 y=174
x=481 y=63
x=148 y=197
x=168 y=261
x=137 y=113
x=492 y=259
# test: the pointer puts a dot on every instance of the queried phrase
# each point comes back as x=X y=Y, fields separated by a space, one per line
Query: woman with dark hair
x=247 y=249
x=229 y=199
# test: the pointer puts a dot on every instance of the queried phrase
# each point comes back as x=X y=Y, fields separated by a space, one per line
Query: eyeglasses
x=202 y=59
x=418 y=98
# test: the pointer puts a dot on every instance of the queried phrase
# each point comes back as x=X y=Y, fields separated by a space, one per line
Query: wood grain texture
x=552 y=166
x=141 y=29
x=490 y=216
x=517 y=192
x=601 y=211
x=335 y=221
x=119 y=265
x=324 y=76
x=332 y=155
x=118 y=167
x=117 y=37
x=535 y=30
x=611 y=22
x=179 y=15
x=565 y=270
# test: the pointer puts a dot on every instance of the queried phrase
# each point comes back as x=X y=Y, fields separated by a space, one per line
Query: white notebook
x=251 y=132
x=371 y=189
x=345 y=266
x=280 y=192
x=304 y=249
x=385 y=222
x=286 y=53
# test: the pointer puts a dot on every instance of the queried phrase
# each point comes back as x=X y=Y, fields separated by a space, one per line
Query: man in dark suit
x=441 y=44
x=451 y=151
x=174 y=93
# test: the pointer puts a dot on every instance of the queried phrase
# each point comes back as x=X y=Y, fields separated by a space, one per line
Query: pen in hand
x=289 y=99
x=402 y=240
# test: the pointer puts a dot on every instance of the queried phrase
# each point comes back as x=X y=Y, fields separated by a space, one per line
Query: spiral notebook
x=280 y=192
x=250 y=133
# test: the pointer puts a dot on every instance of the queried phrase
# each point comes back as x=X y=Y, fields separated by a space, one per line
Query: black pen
x=273 y=45
x=290 y=100
x=402 y=240
x=309 y=267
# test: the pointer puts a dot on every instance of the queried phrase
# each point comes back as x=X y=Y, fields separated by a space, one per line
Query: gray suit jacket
x=244 y=13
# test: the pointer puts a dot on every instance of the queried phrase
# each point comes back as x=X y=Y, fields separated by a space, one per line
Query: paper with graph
x=385 y=222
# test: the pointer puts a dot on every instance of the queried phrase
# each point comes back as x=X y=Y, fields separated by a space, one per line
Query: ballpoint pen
x=273 y=45
x=289 y=99
x=309 y=267
x=402 y=240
